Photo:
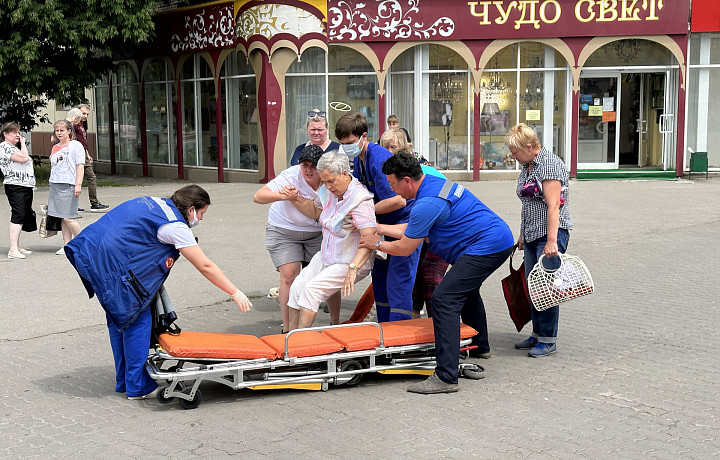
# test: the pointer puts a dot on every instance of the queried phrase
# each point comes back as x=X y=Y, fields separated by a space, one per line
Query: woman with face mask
x=125 y=257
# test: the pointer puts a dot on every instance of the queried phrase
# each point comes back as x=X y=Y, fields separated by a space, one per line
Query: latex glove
x=241 y=300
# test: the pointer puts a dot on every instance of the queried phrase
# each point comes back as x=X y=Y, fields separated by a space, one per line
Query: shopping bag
x=42 y=230
x=516 y=295
x=548 y=288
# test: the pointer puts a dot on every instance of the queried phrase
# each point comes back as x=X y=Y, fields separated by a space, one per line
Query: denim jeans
x=545 y=323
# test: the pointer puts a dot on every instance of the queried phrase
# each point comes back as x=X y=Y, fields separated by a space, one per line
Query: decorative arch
x=664 y=40
x=497 y=45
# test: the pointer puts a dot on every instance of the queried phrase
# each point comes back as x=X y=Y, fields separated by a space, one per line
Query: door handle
x=598 y=127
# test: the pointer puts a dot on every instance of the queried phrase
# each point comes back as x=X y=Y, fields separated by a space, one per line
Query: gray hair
x=74 y=114
x=85 y=106
x=333 y=161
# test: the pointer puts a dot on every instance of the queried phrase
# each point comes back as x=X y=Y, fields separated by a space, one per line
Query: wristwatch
x=352 y=266
x=377 y=245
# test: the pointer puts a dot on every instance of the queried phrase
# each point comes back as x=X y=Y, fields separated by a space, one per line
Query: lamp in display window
x=533 y=90
x=448 y=88
x=494 y=88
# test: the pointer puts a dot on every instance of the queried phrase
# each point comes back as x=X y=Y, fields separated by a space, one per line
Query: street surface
x=635 y=376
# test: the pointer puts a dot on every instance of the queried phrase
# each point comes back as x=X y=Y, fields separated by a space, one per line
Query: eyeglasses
x=392 y=187
x=316 y=114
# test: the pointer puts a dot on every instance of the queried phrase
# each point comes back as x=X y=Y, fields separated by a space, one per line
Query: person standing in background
x=67 y=161
x=81 y=135
x=317 y=129
x=19 y=183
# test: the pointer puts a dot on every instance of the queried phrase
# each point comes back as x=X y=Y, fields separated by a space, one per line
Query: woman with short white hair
x=345 y=211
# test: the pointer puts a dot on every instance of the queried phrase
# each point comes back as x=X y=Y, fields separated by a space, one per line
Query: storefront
x=223 y=92
x=704 y=82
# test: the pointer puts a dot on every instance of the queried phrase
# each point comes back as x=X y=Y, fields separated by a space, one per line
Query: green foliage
x=54 y=49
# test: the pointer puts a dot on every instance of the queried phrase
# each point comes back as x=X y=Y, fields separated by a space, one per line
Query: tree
x=56 y=48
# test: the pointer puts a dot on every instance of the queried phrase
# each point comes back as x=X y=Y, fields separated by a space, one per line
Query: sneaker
x=150 y=395
x=60 y=252
x=99 y=207
x=27 y=252
x=432 y=385
x=526 y=344
x=81 y=210
x=15 y=255
x=542 y=349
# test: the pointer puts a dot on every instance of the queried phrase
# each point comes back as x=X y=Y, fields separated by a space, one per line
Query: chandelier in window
x=494 y=88
x=448 y=88
x=533 y=90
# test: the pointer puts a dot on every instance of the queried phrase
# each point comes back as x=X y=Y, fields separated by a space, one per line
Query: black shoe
x=99 y=207
x=81 y=210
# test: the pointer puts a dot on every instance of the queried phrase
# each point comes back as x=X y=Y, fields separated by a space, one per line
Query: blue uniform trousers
x=458 y=296
x=130 y=351
x=393 y=280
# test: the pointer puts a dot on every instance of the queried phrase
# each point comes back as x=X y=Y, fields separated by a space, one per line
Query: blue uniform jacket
x=371 y=176
x=120 y=259
x=470 y=228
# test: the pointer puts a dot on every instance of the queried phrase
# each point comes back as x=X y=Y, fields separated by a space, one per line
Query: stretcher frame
x=181 y=377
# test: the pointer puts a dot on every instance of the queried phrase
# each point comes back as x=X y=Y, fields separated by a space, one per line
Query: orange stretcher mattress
x=212 y=345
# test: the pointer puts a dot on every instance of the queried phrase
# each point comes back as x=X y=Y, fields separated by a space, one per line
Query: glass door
x=598 y=121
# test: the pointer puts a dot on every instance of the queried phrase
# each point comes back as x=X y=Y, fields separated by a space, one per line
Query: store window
x=198 y=113
x=446 y=112
x=305 y=90
x=126 y=93
x=352 y=87
x=401 y=90
x=240 y=113
x=524 y=83
x=159 y=113
x=102 y=119
x=703 y=95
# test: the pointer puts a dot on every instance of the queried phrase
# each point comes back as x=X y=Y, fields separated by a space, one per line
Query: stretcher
x=309 y=359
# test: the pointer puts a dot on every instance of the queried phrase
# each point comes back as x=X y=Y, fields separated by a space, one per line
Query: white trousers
x=317 y=282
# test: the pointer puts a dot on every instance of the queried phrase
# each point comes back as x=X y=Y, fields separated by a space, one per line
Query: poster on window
x=496 y=124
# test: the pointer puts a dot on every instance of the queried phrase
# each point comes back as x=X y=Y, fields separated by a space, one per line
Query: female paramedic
x=126 y=256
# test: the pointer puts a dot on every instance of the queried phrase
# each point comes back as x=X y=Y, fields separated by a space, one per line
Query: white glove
x=241 y=300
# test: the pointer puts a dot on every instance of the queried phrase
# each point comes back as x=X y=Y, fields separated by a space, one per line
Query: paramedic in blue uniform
x=125 y=257
x=465 y=233
x=393 y=278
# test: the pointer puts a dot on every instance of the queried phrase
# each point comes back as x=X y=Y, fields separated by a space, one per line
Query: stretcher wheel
x=473 y=371
x=352 y=365
x=193 y=403
x=161 y=395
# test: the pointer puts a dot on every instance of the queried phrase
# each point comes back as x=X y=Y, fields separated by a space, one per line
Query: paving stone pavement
x=635 y=375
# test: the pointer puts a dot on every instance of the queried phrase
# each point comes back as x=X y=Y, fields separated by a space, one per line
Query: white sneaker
x=27 y=252
x=152 y=394
x=61 y=251
x=16 y=255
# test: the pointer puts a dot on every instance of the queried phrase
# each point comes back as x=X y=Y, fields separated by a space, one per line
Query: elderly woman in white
x=345 y=211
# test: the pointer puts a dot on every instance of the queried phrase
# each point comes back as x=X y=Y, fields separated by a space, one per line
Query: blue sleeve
x=377 y=159
x=296 y=155
x=424 y=214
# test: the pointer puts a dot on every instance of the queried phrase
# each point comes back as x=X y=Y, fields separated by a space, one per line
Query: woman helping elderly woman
x=345 y=211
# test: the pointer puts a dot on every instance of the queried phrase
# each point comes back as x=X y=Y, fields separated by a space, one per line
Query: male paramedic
x=393 y=278
x=465 y=233
x=125 y=257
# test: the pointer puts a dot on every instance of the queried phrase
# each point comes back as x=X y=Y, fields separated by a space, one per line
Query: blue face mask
x=351 y=150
